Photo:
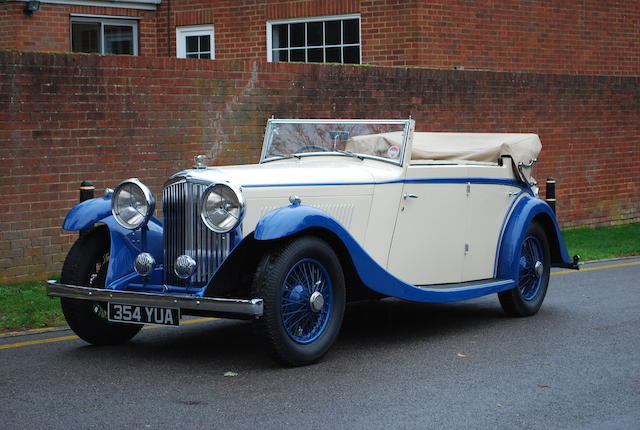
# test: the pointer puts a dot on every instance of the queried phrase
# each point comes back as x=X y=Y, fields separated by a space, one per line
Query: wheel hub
x=538 y=269
x=316 y=301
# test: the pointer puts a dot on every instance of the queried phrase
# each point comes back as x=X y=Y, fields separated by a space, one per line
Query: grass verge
x=25 y=306
x=603 y=242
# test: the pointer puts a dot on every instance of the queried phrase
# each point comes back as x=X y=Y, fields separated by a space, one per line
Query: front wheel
x=534 y=266
x=302 y=285
x=86 y=265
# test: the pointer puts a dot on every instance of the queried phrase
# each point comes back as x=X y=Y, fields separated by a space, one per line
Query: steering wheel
x=313 y=148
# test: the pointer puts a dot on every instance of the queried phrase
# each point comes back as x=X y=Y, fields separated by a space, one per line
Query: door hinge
x=466 y=248
x=468 y=188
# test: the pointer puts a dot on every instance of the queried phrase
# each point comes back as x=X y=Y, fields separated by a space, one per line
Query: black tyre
x=533 y=277
x=302 y=285
x=86 y=265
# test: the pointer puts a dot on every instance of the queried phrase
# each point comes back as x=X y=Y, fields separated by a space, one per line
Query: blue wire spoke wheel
x=531 y=268
x=307 y=295
x=302 y=285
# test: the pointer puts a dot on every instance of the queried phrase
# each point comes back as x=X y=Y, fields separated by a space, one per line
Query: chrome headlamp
x=222 y=208
x=132 y=204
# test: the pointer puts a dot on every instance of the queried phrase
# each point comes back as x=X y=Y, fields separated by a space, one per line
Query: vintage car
x=336 y=210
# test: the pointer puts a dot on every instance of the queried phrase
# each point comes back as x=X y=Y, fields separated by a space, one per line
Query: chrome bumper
x=245 y=307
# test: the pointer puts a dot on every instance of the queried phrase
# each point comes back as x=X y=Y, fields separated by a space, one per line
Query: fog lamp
x=144 y=264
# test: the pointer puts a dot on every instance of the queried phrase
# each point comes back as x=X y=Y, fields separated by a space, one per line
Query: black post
x=86 y=193
x=551 y=193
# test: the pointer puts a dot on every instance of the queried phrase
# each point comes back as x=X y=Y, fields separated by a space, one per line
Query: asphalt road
x=575 y=365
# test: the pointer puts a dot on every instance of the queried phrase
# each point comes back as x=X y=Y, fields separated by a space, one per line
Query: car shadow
x=374 y=323
x=367 y=326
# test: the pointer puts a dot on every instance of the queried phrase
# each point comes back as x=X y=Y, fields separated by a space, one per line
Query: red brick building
x=591 y=37
x=568 y=71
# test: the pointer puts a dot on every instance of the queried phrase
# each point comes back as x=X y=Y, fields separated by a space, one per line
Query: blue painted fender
x=125 y=244
x=289 y=220
x=87 y=213
x=525 y=212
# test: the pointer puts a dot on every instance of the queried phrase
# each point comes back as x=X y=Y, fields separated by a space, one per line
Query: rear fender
x=527 y=210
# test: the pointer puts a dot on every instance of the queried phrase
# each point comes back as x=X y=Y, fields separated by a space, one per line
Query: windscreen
x=383 y=139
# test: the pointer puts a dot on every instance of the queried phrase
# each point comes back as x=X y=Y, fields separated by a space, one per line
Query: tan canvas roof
x=480 y=147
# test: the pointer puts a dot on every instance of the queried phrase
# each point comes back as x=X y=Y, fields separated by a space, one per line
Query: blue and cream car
x=336 y=210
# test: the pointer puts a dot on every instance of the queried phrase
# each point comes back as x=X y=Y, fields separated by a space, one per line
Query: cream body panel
x=487 y=208
x=312 y=179
x=322 y=169
x=349 y=205
x=384 y=208
x=382 y=222
x=428 y=242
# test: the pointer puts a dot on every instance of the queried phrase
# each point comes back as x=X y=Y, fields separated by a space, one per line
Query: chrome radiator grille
x=186 y=234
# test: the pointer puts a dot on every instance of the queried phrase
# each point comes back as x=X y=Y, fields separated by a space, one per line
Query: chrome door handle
x=409 y=196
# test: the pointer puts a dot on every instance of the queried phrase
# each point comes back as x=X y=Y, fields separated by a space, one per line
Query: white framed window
x=329 y=39
x=104 y=35
x=195 y=41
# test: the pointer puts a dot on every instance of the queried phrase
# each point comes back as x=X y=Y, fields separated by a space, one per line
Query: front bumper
x=239 y=308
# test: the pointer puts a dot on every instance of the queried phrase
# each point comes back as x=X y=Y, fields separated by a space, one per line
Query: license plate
x=119 y=312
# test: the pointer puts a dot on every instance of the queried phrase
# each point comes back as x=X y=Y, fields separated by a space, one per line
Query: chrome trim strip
x=251 y=307
x=456 y=180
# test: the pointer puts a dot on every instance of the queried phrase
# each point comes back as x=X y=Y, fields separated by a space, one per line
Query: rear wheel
x=534 y=266
x=302 y=285
x=86 y=265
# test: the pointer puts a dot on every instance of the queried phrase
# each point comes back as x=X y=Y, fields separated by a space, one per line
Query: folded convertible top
x=479 y=147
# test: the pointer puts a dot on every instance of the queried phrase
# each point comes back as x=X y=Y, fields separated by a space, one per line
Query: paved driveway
x=401 y=365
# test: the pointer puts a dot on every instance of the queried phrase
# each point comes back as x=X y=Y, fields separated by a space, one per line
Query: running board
x=468 y=284
x=442 y=293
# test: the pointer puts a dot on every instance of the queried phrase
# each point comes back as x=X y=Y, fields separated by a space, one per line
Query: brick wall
x=586 y=37
x=65 y=118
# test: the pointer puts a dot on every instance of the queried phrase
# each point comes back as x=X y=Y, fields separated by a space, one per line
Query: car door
x=429 y=236
x=488 y=204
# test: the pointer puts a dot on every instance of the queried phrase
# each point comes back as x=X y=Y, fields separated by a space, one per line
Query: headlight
x=222 y=208
x=132 y=203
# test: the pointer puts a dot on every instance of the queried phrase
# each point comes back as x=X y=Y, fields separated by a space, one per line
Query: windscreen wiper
x=349 y=153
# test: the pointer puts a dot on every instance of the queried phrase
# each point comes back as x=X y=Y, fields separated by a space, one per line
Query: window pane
x=314 y=34
x=85 y=37
x=351 y=54
x=297 y=34
x=118 y=39
x=192 y=55
x=205 y=55
x=192 y=43
x=205 y=43
x=279 y=36
x=332 y=32
x=280 y=55
x=351 y=33
x=317 y=41
x=314 y=55
x=297 y=55
x=332 y=55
